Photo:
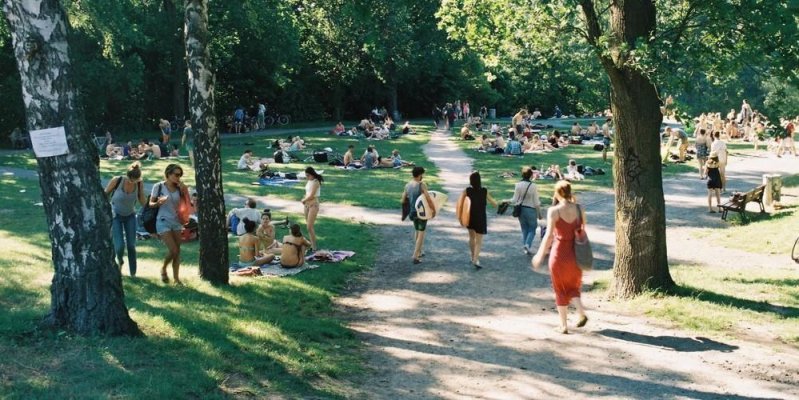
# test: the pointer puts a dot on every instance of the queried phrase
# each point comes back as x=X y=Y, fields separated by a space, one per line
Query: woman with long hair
x=478 y=197
x=166 y=196
x=563 y=219
x=125 y=191
x=310 y=202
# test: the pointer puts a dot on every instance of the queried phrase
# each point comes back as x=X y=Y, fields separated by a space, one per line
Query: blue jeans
x=128 y=224
x=529 y=221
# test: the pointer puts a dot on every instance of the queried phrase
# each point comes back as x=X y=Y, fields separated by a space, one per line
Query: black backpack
x=150 y=214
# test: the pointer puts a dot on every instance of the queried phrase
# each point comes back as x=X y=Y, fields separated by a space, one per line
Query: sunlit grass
x=726 y=302
x=258 y=336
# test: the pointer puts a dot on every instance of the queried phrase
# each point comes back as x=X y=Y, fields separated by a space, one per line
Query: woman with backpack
x=170 y=197
x=125 y=191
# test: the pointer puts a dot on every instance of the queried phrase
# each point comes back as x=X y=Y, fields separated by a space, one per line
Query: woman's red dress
x=566 y=275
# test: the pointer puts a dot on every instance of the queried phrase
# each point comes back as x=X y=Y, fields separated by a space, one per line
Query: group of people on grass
x=151 y=150
x=175 y=206
x=563 y=219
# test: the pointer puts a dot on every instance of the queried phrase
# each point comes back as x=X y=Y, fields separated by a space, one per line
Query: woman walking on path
x=526 y=194
x=702 y=149
x=167 y=196
x=713 y=181
x=564 y=218
x=310 y=202
x=125 y=191
x=478 y=196
x=413 y=190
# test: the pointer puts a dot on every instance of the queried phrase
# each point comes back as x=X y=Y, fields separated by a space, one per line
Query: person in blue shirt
x=513 y=147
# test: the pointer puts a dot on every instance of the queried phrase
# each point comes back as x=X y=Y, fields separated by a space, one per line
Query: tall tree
x=86 y=292
x=211 y=212
x=641 y=261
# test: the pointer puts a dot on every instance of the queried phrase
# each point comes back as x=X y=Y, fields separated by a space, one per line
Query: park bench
x=739 y=200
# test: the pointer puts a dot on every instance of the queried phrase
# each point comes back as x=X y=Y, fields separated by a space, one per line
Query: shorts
x=606 y=142
x=163 y=225
x=419 y=224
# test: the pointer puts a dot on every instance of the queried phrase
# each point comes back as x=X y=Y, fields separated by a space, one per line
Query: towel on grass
x=277 y=270
x=330 y=255
x=276 y=182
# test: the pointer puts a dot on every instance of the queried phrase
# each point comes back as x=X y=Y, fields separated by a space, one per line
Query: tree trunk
x=641 y=260
x=86 y=292
x=211 y=210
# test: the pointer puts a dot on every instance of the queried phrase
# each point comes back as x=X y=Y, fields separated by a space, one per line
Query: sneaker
x=526 y=249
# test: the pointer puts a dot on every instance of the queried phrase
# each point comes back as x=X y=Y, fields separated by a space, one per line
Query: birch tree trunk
x=86 y=292
x=641 y=260
x=211 y=210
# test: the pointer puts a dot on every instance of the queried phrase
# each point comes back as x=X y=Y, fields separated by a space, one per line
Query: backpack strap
x=116 y=186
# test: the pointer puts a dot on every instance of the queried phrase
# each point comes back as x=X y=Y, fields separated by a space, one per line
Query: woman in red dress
x=564 y=217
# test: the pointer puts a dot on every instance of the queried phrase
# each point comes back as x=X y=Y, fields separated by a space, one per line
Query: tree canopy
x=326 y=59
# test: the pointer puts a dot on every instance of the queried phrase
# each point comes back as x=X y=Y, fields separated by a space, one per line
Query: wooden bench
x=739 y=200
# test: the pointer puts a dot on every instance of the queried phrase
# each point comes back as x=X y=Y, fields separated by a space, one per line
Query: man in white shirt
x=249 y=212
x=720 y=147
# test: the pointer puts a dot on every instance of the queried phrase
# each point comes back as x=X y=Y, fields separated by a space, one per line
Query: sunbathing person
x=553 y=172
x=339 y=129
x=266 y=235
x=466 y=134
x=250 y=246
x=396 y=160
x=292 y=254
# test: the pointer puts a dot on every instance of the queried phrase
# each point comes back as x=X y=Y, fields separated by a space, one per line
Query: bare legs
x=311 y=210
x=417 y=250
x=475 y=244
x=710 y=193
x=563 y=312
x=172 y=241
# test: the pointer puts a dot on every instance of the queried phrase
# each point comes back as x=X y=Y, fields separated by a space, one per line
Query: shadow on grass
x=676 y=343
x=736 y=302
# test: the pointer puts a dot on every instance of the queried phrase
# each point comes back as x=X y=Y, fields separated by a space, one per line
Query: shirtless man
x=518 y=121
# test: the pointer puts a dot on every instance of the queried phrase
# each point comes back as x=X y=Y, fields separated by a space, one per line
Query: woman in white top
x=311 y=201
x=526 y=194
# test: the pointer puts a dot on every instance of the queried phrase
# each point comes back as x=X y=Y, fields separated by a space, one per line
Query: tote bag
x=582 y=246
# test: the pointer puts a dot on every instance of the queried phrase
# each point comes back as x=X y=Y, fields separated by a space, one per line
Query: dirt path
x=443 y=330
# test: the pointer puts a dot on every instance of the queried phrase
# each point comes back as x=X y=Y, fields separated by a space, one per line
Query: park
x=672 y=123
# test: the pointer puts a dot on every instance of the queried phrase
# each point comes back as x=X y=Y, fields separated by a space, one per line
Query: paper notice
x=49 y=142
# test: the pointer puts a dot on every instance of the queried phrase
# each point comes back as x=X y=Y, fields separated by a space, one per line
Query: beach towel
x=330 y=255
x=276 y=182
x=276 y=270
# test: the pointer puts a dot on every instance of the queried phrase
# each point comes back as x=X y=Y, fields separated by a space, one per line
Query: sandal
x=164 y=277
x=583 y=320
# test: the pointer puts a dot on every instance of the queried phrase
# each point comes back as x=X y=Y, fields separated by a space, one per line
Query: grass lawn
x=254 y=337
x=772 y=233
x=377 y=188
x=756 y=302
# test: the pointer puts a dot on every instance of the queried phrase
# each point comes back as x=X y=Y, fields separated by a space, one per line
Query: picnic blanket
x=330 y=255
x=276 y=182
x=272 y=269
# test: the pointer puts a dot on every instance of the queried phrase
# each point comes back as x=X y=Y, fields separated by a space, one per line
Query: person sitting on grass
x=485 y=143
x=513 y=147
x=397 y=160
x=572 y=172
x=370 y=158
x=339 y=129
x=553 y=172
x=250 y=247
x=499 y=143
x=407 y=130
x=266 y=235
x=466 y=133
x=292 y=254
x=245 y=161
x=349 y=160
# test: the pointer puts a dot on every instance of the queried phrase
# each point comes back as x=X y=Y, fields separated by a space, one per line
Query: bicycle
x=795 y=251
x=275 y=117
